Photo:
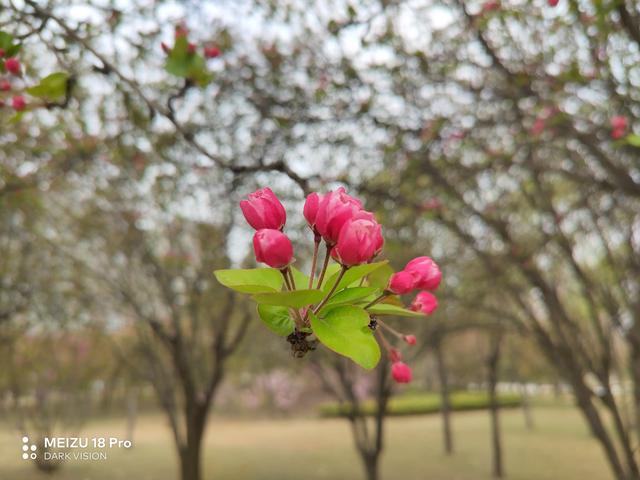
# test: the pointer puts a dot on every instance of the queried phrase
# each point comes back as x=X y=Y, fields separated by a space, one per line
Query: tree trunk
x=190 y=453
x=635 y=375
x=493 y=364
x=190 y=464
x=371 y=466
x=445 y=400
x=132 y=412
x=526 y=407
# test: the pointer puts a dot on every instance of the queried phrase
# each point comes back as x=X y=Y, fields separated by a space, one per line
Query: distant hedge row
x=425 y=403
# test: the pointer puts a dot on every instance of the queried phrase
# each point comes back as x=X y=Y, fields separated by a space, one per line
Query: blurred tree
x=502 y=136
x=344 y=381
x=186 y=328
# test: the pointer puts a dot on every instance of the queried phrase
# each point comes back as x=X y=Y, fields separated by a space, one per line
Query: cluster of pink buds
x=13 y=67
x=341 y=306
x=352 y=235
x=181 y=31
x=619 y=125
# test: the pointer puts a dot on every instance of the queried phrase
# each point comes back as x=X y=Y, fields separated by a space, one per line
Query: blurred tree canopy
x=501 y=137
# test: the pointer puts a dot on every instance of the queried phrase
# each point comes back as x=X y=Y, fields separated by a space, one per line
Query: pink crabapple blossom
x=395 y=355
x=353 y=237
x=310 y=210
x=425 y=271
x=410 y=340
x=12 y=65
x=18 y=103
x=619 y=125
x=334 y=210
x=425 y=302
x=359 y=241
x=401 y=282
x=211 y=51
x=264 y=210
x=401 y=372
x=273 y=248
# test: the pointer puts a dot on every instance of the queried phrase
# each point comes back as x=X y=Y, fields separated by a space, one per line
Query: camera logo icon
x=28 y=451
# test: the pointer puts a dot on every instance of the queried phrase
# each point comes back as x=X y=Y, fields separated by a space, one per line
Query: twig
x=333 y=289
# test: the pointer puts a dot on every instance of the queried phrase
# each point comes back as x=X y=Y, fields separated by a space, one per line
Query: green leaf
x=277 y=319
x=388 y=309
x=380 y=277
x=51 y=87
x=295 y=299
x=353 y=275
x=345 y=330
x=182 y=63
x=350 y=295
x=332 y=269
x=633 y=139
x=302 y=280
x=6 y=40
x=13 y=50
x=6 y=43
x=254 y=280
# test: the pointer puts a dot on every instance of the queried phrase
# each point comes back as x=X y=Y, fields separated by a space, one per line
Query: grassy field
x=425 y=403
x=309 y=449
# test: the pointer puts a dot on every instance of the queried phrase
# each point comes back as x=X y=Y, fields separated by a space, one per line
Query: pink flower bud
x=538 y=126
x=425 y=302
x=191 y=48
x=553 y=3
x=18 y=103
x=310 y=210
x=264 y=210
x=5 y=85
x=12 y=65
x=401 y=282
x=619 y=122
x=359 y=241
x=273 y=248
x=432 y=204
x=619 y=125
x=617 y=133
x=395 y=355
x=211 y=51
x=410 y=339
x=334 y=210
x=425 y=271
x=490 y=6
x=2 y=52
x=401 y=372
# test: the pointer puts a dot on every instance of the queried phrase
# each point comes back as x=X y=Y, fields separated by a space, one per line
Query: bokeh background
x=497 y=137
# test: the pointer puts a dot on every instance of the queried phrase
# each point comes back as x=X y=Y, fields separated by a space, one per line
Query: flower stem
x=315 y=260
x=327 y=256
x=291 y=279
x=297 y=319
x=286 y=278
x=383 y=340
x=390 y=329
x=333 y=289
x=384 y=295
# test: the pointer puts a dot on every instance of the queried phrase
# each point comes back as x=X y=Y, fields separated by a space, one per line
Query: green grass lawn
x=308 y=449
x=425 y=403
